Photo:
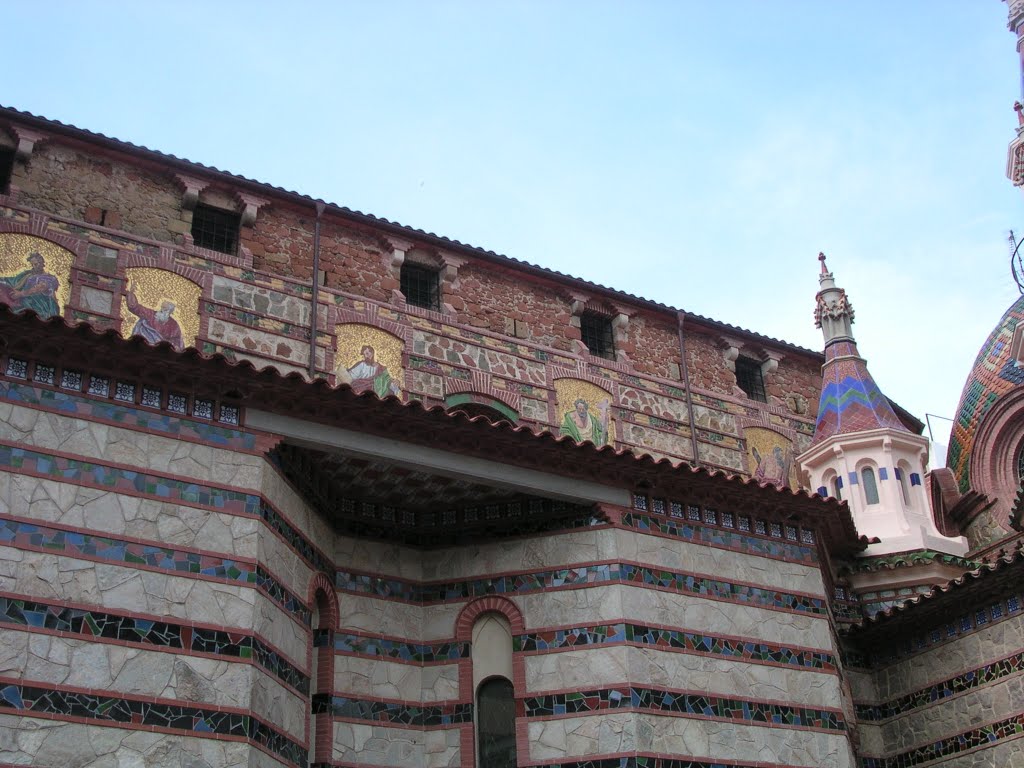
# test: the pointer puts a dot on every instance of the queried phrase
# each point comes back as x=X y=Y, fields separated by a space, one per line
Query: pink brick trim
x=321 y=585
x=556 y=372
x=479 y=383
x=38 y=226
x=491 y=604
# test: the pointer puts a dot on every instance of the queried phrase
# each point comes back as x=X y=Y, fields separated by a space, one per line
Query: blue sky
x=695 y=153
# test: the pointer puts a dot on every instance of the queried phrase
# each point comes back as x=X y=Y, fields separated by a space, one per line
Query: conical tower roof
x=850 y=399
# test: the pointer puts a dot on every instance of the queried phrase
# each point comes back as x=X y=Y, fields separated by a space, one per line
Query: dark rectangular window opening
x=6 y=169
x=750 y=379
x=215 y=228
x=421 y=286
x=596 y=331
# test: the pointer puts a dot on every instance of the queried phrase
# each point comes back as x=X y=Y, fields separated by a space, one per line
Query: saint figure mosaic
x=34 y=274
x=369 y=359
x=160 y=306
x=584 y=412
x=770 y=458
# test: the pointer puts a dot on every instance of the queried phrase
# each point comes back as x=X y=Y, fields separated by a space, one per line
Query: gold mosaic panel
x=28 y=286
x=154 y=286
x=770 y=457
x=568 y=391
x=352 y=363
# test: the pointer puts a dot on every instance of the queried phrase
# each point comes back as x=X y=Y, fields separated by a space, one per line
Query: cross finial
x=821 y=258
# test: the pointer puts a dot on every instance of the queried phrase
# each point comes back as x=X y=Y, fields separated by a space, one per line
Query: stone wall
x=503 y=335
x=958 y=697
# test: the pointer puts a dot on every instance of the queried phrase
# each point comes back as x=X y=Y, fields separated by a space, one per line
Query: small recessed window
x=215 y=228
x=750 y=379
x=596 y=331
x=867 y=476
x=6 y=168
x=421 y=286
x=496 y=723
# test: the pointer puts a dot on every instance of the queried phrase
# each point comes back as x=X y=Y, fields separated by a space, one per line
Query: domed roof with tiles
x=995 y=373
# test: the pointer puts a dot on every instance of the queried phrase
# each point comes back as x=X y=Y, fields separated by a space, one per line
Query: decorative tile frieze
x=303 y=546
x=967 y=623
x=605 y=573
x=43 y=538
x=672 y=702
x=966 y=681
x=637 y=762
x=671 y=639
x=32 y=614
x=727 y=521
x=394 y=713
x=719 y=537
x=128 y=481
x=114 y=412
x=982 y=736
x=399 y=650
x=103 y=387
x=142 y=714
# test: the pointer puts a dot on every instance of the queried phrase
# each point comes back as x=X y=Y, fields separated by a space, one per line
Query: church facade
x=284 y=484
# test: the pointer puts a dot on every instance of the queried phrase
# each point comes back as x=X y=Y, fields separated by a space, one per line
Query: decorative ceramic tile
x=694 y=704
x=623 y=573
x=159 y=634
x=413 y=715
x=33 y=699
x=943 y=690
x=74 y=544
x=662 y=638
x=384 y=648
x=985 y=735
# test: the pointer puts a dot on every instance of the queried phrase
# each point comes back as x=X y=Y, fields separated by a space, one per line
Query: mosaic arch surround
x=591 y=422
x=147 y=291
x=43 y=287
x=369 y=358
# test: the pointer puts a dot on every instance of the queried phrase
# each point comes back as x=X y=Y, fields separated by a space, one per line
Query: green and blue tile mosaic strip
x=95 y=409
x=397 y=650
x=983 y=736
x=394 y=713
x=688 y=531
x=620 y=573
x=978 y=618
x=802 y=538
x=23 y=535
x=673 y=702
x=34 y=699
x=642 y=761
x=33 y=614
x=661 y=637
x=127 y=481
x=128 y=391
x=964 y=682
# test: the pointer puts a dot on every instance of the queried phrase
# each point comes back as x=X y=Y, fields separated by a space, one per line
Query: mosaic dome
x=995 y=373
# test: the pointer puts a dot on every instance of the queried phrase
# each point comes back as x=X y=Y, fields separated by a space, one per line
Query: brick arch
x=321 y=582
x=38 y=226
x=993 y=459
x=490 y=604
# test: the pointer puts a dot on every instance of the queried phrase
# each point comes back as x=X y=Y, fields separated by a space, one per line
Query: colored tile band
x=642 y=761
x=128 y=481
x=985 y=735
x=94 y=409
x=196 y=721
x=672 y=702
x=24 y=535
x=954 y=685
x=398 y=650
x=400 y=714
x=671 y=639
x=978 y=618
x=158 y=634
x=780 y=550
x=614 y=573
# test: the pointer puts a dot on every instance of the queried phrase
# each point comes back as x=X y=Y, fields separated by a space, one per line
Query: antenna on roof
x=1016 y=265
